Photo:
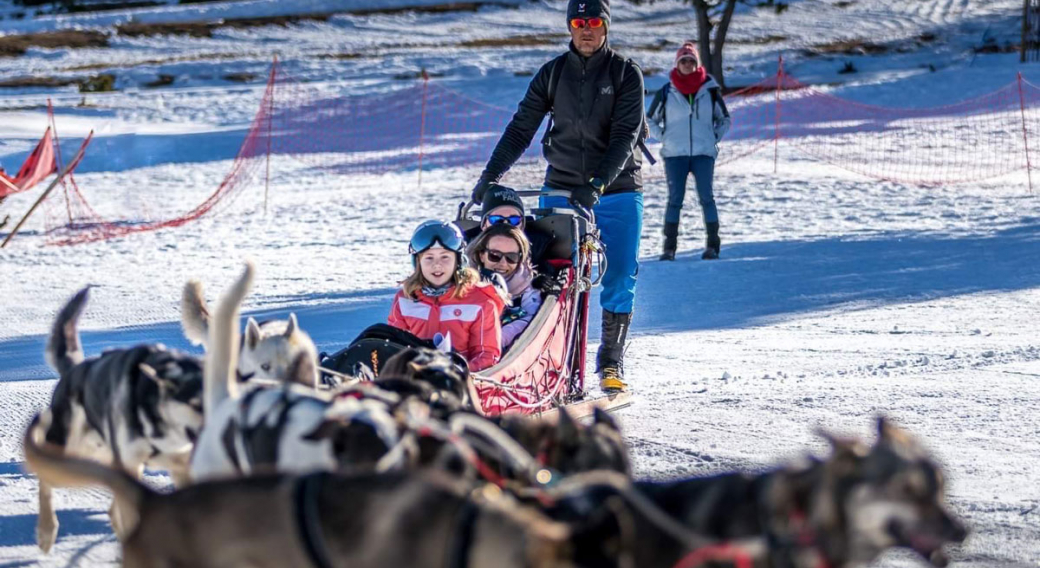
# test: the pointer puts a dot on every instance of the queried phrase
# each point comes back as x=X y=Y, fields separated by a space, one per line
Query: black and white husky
x=285 y=428
x=127 y=408
x=268 y=349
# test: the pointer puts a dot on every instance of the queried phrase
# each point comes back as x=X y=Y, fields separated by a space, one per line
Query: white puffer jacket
x=686 y=129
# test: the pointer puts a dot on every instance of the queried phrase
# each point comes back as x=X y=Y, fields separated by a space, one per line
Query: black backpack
x=617 y=76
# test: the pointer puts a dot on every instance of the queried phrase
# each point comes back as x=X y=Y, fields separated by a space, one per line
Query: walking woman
x=689 y=117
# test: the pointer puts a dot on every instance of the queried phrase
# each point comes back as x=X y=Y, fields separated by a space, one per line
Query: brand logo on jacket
x=608 y=90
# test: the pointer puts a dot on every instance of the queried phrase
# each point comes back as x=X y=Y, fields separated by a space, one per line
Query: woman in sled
x=444 y=300
x=503 y=249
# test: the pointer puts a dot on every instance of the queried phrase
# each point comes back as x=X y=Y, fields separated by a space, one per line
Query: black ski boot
x=713 y=243
x=611 y=354
x=671 y=241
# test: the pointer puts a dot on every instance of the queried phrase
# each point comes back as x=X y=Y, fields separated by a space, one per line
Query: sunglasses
x=495 y=256
x=578 y=23
x=514 y=220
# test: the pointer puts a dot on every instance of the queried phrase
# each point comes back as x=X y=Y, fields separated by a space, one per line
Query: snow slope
x=837 y=297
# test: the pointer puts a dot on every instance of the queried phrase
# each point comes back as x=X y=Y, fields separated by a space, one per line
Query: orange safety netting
x=425 y=125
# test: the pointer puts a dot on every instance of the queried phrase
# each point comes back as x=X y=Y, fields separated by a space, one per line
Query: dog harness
x=462 y=536
x=305 y=498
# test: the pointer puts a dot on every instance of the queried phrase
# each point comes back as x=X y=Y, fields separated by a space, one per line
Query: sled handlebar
x=465 y=209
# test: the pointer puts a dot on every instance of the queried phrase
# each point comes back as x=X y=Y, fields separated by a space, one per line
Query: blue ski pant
x=619 y=217
x=678 y=170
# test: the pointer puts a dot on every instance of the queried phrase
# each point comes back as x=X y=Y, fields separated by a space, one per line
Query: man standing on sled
x=595 y=100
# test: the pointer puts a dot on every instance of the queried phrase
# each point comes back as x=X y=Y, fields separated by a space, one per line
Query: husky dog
x=842 y=511
x=419 y=519
x=269 y=348
x=445 y=372
x=321 y=519
x=288 y=428
x=127 y=407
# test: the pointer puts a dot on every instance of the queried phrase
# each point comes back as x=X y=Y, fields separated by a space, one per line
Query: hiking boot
x=610 y=357
x=671 y=241
x=611 y=380
x=713 y=244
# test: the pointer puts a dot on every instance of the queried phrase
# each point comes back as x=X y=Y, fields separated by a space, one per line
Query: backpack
x=661 y=97
x=617 y=76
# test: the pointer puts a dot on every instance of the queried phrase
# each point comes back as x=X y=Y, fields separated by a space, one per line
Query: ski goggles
x=578 y=23
x=432 y=232
x=514 y=220
x=496 y=256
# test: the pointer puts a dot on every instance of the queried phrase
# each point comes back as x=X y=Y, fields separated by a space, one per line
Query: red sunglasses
x=578 y=23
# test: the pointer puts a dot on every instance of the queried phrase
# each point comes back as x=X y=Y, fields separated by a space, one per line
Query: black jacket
x=594 y=130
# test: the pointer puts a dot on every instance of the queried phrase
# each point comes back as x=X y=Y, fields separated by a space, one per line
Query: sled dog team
x=271 y=470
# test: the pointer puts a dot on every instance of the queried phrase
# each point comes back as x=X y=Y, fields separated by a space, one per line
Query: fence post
x=270 y=129
x=1025 y=136
x=776 y=126
x=422 y=121
x=57 y=155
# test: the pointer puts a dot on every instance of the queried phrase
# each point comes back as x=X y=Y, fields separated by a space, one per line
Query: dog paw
x=45 y=537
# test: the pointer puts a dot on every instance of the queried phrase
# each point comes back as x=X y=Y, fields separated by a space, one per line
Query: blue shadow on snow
x=753 y=284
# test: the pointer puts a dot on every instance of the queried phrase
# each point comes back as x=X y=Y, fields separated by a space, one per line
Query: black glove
x=588 y=196
x=480 y=189
x=547 y=285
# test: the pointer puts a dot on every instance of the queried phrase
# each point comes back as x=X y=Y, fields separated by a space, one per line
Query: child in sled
x=445 y=301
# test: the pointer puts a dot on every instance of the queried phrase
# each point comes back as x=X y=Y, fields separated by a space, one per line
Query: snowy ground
x=837 y=297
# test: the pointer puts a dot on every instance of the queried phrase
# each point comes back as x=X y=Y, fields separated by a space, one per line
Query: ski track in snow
x=837 y=298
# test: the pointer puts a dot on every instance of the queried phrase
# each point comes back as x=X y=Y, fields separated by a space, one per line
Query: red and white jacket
x=473 y=321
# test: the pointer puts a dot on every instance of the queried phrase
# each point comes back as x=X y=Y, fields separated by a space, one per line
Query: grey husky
x=268 y=349
x=126 y=408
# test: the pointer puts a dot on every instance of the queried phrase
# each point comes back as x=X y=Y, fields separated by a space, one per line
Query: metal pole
x=43 y=196
x=57 y=155
x=422 y=122
x=61 y=175
x=776 y=126
x=1025 y=137
x=270 y=127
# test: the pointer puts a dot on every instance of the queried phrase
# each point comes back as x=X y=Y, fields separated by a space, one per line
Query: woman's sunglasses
x=495 y=256
x=578 y=23
x=514 y=220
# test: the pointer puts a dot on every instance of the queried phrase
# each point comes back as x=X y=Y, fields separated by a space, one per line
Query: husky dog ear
x=567 y=430
x=303 y=370
x=890 y=433
x=252 y=333
x=600 y=416
x=291 y=328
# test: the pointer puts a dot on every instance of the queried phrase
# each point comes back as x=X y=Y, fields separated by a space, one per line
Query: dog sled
x=544 y=369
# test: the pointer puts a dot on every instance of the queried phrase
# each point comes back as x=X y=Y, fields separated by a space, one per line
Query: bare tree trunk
x=703 y=32
x=720 y=40
x=711 y=56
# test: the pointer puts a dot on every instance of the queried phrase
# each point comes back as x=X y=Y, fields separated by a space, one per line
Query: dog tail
x=195 y=316
x=222 y=359
x=50 y=463
x=64 y=349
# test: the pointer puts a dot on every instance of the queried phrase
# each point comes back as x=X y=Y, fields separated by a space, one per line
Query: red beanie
x=688 y=49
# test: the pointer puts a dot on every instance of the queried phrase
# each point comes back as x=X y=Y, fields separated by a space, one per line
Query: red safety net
x=425 y=125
